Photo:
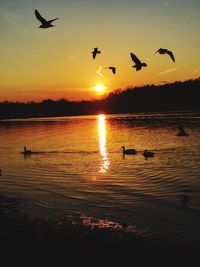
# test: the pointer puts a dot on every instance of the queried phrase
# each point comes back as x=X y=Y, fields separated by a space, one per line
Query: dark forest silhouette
x=149 y=98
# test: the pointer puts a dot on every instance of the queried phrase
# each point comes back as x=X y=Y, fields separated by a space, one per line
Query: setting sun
x=100 y=88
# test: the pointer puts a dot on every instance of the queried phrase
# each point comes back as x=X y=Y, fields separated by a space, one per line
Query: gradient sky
x=57 y=63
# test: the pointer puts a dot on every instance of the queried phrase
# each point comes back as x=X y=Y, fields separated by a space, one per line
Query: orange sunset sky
x=55 y=63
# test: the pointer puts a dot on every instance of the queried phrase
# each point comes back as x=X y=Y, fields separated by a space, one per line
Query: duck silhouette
x=138 y=64
x=185 y=200
x=128 y=151
x=148 y=154
x=163 y=51
x=181 y=131
x=44 y=23
x=26 y=152
x=95 y=52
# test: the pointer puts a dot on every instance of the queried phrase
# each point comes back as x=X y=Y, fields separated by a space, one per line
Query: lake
x=77 y=169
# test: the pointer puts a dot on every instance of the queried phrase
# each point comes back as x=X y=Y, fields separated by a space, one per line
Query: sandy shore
x=50 y=241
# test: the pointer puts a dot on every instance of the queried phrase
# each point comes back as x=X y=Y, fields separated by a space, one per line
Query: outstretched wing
x=94 y=52
x=50 y=21
x=39 y=17
x=171 y=55
x=135 y=59
x=157 y=51
x=113 y=69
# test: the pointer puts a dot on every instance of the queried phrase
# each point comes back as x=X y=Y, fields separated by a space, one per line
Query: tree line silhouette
x=149 y=98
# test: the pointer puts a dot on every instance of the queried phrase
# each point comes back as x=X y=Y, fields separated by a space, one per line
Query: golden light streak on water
x=104 y=165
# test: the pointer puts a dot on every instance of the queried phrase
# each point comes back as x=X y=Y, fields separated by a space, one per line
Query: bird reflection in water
x=104 y=165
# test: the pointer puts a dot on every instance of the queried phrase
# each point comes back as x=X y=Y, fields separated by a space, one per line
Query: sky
x=56 y=63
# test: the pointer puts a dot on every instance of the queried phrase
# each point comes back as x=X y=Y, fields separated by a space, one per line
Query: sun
x=100 y=88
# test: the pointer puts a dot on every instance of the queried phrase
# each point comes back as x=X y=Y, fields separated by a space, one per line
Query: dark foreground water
x=77 y=170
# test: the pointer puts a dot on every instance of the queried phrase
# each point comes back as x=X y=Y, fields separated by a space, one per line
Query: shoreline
x=57 y=239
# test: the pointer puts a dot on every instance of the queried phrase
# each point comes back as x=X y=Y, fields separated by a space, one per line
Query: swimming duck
x=185 y=199
x=128 y=151
x=148 y=154
x=26 y=152
x=181 y=131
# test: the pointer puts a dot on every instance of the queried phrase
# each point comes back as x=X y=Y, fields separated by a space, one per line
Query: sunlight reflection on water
x=77 y=166
x=104 y=165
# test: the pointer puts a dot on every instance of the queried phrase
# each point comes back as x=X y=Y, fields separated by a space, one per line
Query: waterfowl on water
x=181 y=131
x=148 y=154
x=128 y=151
x=26 y=152
x=185 y=199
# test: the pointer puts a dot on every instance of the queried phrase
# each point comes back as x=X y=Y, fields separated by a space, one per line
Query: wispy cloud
x=196 y=71
x=10 y=17
x=70 y=57
x=191 y=63
x=166 y=71
x=165 y=3
x=99 y=71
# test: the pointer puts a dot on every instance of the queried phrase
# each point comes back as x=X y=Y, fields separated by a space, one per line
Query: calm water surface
x=77 y=169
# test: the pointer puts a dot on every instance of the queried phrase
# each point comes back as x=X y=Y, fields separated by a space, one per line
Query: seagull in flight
x=44 y=23
x=163 y=51
x=95 y=52
x=113 y=69
x=138 y=64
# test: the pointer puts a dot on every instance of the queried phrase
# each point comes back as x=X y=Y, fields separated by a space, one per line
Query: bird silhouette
x=26 y=152
x=128 y=151
x=95 y=52
x=113 y=69
x=185 y=200
x=182 y=132
x=163 y=51
x=44 y=23
x=138 y=64
x=148 y=154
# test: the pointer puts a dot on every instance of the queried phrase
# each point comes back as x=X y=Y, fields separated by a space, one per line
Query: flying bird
x=163 y=51
x=95 y=52
x=138 y=64
x=113 y=69
x=44 y=23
